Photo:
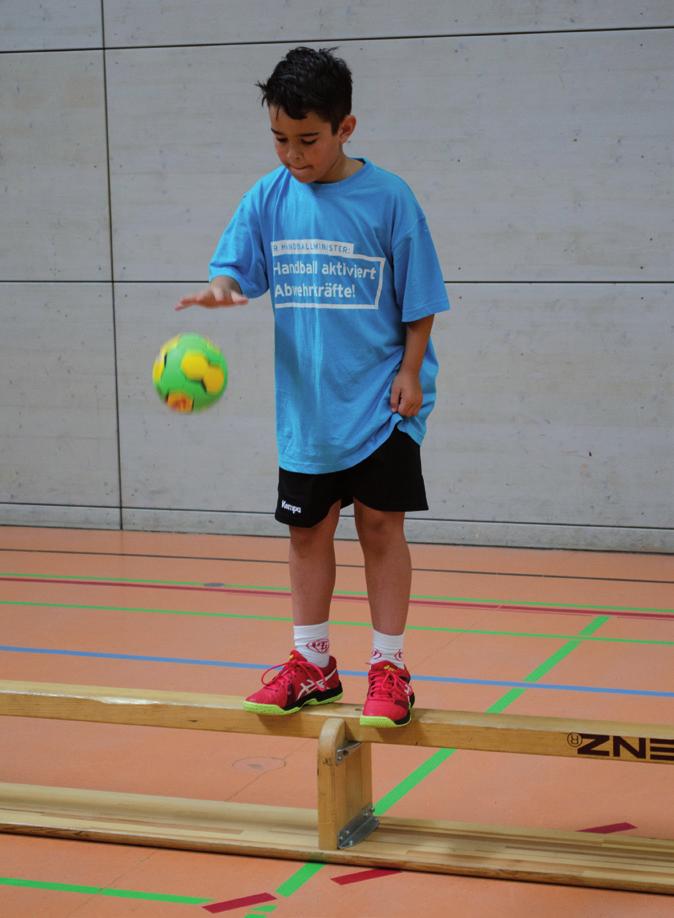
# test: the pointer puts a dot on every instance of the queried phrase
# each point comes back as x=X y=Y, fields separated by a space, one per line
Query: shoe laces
x=387 y=683
x=288 y=671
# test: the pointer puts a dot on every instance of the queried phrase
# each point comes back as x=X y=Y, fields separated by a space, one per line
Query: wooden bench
x=344 y=828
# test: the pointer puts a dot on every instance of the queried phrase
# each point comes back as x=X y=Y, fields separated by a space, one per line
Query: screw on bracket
x=358 y=828
x=345 y=751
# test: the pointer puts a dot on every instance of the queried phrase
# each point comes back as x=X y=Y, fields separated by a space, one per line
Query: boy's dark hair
x=310 y=80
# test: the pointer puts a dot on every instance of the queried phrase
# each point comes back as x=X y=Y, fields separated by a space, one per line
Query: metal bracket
x=358 y=828
x=345 y=750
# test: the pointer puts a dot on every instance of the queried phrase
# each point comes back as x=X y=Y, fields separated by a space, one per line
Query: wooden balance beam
x=344 y=828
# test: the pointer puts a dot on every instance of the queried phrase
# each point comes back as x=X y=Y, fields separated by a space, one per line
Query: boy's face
x=308 y=148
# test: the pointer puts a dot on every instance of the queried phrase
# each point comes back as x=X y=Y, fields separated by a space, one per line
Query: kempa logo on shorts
x=291 y=507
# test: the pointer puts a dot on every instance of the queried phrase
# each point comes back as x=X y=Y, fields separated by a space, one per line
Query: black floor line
x=419 y=570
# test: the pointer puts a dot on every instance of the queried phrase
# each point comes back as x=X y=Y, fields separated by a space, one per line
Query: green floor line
x=548 y=605
x=298 y=879
x=104 y=891
x=467 y=600
x=433 y=763
x=186 y=612
x=343 y=623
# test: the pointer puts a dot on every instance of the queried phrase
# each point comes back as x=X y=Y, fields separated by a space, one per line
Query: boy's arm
x=406 y=392
x=222 y=291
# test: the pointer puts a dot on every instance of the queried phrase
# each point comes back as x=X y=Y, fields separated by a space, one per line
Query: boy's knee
x=378 y=528
x=304 y=538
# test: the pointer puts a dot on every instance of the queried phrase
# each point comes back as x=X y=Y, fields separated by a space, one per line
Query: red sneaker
x=299 y=682
x=389 y=696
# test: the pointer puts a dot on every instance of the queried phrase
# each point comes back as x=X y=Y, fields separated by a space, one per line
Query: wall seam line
x=112 y=267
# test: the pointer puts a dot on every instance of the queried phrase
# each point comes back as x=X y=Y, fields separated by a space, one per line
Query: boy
x=344 y=249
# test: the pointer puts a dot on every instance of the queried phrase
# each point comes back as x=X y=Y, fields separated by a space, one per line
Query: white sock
x=313 y=643
x=387 y=647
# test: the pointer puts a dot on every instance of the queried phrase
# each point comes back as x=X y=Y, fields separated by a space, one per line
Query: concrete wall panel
x=536 y=157
x=54 y=221
x=58 y=430
x=187 y=137
x=42 y=24
x=171 y=22
x=556 y=406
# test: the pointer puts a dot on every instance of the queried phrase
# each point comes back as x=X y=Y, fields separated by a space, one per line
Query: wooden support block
x=345 y=810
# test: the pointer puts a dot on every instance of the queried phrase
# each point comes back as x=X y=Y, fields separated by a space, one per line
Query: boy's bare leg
x=312 y=569
x=312 y=579
x=388 y=566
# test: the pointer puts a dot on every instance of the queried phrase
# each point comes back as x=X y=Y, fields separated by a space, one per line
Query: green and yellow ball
x=190 y=373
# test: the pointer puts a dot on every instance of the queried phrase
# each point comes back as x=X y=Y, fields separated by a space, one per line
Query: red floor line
x=444 y=603
x=614 y=827
x=231 y=904
x=361 y=875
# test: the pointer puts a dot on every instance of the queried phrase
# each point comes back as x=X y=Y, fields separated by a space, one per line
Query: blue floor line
x=186 y=661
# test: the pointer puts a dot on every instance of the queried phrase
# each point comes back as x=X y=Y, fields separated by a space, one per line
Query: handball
x=190 y=373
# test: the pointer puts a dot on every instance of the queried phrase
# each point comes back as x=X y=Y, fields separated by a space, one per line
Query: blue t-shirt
x=347 y=264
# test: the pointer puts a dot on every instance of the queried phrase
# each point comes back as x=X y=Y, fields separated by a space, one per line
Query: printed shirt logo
x=324 y=274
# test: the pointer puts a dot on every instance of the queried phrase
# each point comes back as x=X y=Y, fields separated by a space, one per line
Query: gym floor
x=557 y=633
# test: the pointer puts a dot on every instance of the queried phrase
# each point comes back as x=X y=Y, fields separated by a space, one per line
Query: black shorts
x=389 y=479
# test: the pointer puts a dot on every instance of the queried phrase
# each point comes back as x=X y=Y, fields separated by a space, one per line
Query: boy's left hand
x=406 y=394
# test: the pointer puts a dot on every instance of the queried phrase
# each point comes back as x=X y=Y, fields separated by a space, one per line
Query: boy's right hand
x=212 y=297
